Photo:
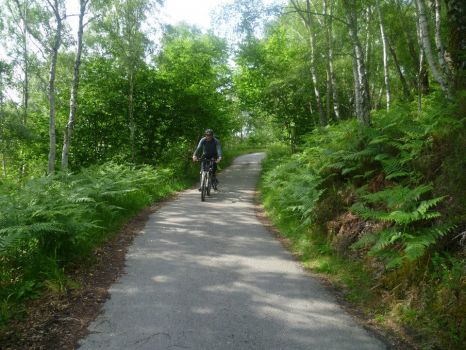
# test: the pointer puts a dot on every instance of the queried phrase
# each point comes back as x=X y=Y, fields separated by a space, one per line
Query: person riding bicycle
x=211 y=148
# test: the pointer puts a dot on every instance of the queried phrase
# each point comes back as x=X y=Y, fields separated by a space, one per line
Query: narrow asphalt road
x=207 y=275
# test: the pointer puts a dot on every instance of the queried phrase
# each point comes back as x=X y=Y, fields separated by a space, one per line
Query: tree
x=331 y=81
x=362 y=95
x=438 y=67
x=74 y=87
x=47 y=29
x=19 y=17
x=456 y=22
x=385 y=54
x=121 y=35
x=58 y=9
x=309 y=21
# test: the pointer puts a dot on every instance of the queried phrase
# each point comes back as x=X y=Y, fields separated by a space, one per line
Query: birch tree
x=332 y=85
x=362 y=95
x=438 y=67
x=308 y=20
x=58 y=9
x=74 y=87
x=19 y=15
x=384 y=54
x=47 y=31
x=456 y=21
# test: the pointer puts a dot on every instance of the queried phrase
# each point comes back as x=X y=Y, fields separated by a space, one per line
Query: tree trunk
x=404 y=83
x=439 y=42
x=132 y=125
x=328 y=54
x=423 y=80
x=336 y=100
x=385 y=55
x=357 y=89
x=456 y=22
x=359 y=67
x=26 y=69
x=74 y=89
x=425 y=42
x=307 y=18
x=368 y=43
x=51 y=92
x=315 y=81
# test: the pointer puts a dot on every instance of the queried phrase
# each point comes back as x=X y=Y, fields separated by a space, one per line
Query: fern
x=60 y=218
x=405 y=212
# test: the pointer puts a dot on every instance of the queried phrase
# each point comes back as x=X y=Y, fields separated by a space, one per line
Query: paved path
x=209 y=276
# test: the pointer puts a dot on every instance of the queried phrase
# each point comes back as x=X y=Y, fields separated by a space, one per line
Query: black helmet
x=209 y=132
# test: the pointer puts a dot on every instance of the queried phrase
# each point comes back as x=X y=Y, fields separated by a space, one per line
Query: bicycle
x=206 y=177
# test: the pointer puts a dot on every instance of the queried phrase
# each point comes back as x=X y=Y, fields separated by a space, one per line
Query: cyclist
x=211 y=148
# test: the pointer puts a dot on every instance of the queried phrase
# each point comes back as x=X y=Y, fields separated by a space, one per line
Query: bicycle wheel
x=209 y=183
x=203 y=187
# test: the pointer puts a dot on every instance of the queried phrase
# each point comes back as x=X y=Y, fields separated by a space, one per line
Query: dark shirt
x=210 y=149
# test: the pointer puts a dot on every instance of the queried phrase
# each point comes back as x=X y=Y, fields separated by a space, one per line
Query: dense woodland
x=360 y=106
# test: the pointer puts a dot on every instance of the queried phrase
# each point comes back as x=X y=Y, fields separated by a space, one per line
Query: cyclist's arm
x=219 y=150
x=198 y=148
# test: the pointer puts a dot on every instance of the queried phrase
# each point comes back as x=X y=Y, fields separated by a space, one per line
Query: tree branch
x=317 y=14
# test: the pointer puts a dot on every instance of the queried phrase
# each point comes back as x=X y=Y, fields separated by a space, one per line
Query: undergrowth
x=53 y=221
x=382 y=209
x=49 y=223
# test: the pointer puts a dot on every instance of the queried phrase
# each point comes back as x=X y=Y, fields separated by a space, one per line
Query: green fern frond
x=345 y=171
x=385 y=239
x=365 y=241
x=417 y=244
x=29 y=230
x=10 y=243
x=398 y=174
x=361 y=155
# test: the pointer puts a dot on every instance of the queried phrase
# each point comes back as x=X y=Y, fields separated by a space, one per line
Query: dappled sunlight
x=207 y=275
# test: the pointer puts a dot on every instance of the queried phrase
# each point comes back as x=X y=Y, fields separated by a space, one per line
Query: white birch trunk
x=74 y=89
x=26 y=69
x=315 y=81
x=328 y=54
x=307 y=18
x=357 y=89
x=425 y=42
x=336 y=100
x=51 y=90
x=385 y=55
x=367 y=49
x=132 y=124
x=359 y=66
x=439 y=42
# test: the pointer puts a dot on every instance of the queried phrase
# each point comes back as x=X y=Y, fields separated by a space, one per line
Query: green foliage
x=54 y=220
x=397 y=178
x=297 y=186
